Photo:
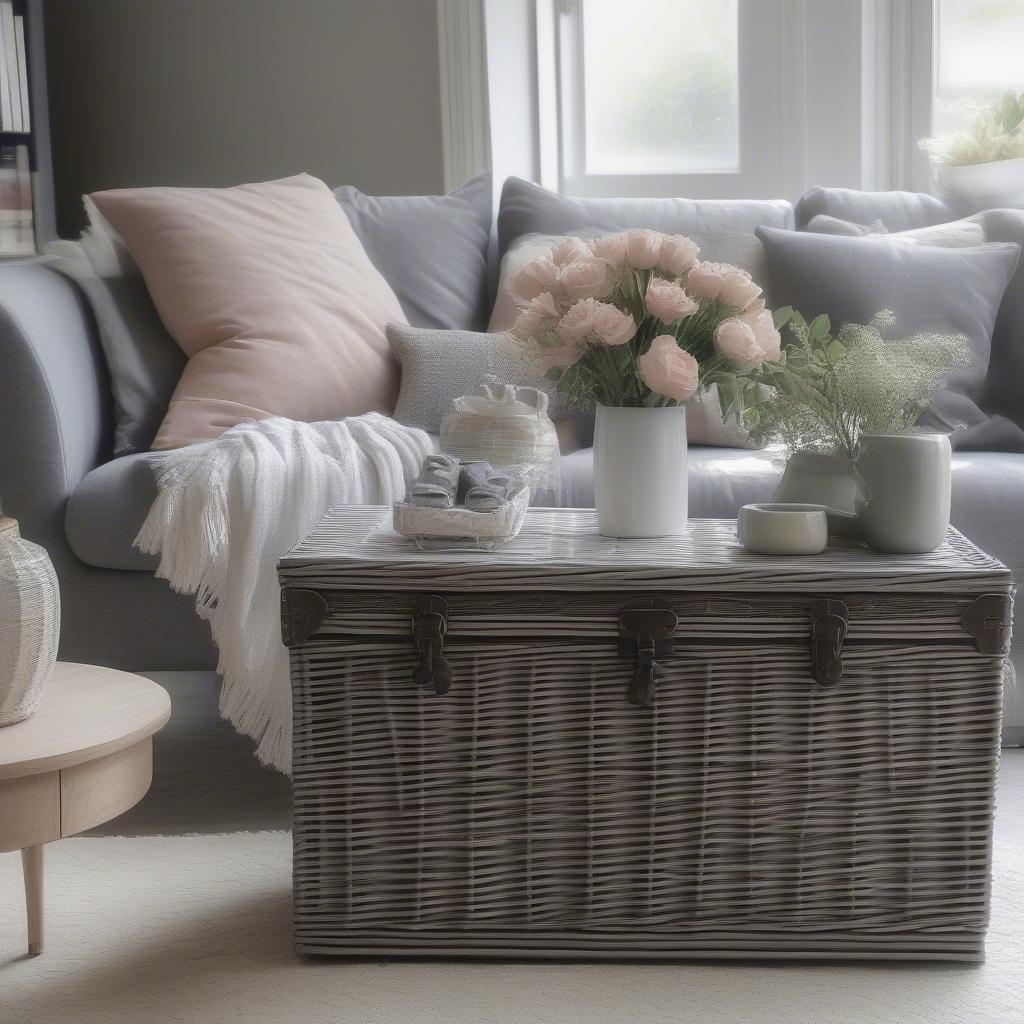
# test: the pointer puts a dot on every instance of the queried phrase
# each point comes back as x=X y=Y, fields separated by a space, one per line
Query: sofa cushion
x=107 y=510
x=955 y=291
x=528 y=209
x=432 y=250
x=898 y=211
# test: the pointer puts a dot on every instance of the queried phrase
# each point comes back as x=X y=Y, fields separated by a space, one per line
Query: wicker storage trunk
x=581 y=747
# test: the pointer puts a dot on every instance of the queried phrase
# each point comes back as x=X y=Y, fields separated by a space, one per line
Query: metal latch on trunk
x=830 y=623
x=429 y=628
x=646 y=628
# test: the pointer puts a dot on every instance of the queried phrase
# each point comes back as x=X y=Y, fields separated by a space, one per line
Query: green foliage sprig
x=829 y=389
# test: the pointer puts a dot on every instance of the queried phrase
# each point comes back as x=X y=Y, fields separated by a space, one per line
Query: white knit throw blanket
x=227 y=510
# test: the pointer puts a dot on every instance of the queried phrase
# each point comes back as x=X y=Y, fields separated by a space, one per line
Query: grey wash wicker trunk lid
x=812 y=775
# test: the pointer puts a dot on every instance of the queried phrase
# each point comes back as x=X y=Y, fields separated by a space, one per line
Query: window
x=671 y=97
x=660 y=86
x=979 y=55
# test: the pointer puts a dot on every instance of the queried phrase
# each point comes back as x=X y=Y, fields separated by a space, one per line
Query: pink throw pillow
x=269 y=292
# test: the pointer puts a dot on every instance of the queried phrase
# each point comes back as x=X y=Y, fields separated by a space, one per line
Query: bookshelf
x=26 y=166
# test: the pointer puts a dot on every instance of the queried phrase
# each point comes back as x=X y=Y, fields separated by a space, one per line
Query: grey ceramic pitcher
x=908 y=481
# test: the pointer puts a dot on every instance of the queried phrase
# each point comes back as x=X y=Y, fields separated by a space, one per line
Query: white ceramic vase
x=640 y=471
x=908 y=478
x=29 y=623
x=828 y=480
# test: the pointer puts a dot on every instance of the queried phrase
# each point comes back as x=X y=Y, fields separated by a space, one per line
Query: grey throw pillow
x=528 y=209
x=927 y=288
x=899 y=211
x=432 y=250
x=144 y=361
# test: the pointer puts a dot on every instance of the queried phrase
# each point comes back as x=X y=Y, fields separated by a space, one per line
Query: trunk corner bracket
x=303 y=613
x=989 y=619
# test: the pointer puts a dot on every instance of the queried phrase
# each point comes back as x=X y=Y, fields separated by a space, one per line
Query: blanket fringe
x=227 y=510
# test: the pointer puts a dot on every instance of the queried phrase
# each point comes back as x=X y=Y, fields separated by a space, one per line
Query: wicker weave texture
x=533 y=810
x=29 y=623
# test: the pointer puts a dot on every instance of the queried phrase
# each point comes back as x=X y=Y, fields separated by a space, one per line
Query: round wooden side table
x=83 y=757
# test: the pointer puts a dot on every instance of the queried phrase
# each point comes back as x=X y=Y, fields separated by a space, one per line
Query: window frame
x=850 y=118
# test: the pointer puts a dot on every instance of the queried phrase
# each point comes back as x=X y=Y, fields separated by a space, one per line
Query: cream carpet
x=150 y=930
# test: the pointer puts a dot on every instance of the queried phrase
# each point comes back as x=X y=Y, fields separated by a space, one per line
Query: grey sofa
x=57 y=476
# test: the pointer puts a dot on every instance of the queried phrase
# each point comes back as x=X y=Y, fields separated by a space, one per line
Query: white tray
x=431 y=528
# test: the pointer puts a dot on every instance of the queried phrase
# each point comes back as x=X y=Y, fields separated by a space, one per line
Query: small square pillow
x=440 y=366
x=269 y=293
x=432 y=250
x=927 y=288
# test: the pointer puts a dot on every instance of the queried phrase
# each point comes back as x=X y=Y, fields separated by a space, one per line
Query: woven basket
x=29 y=623
x=531 y=809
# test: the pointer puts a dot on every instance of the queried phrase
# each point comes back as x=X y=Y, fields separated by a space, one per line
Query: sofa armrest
x=55 y=418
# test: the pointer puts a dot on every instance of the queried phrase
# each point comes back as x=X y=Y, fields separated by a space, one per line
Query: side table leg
x=32 y=869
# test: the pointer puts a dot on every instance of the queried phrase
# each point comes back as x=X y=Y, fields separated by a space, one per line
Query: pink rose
x=765 y=333
x=611 y=325
x=563 y=355
x=643 y=248
x=669 y=370
x=585 y=278
x=578 y=321
x=611 y=248
x=539 y=275
x=735 y=340
x=569 y=250
x=539 y=317
x=738 y=288
x=705 y=280
x=667 y=301
x=677 y=254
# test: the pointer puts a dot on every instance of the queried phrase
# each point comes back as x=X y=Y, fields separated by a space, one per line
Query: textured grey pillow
x=528 y=209
x=432 y=250
x=440 y=366
x=927 y=288
x=144 y=361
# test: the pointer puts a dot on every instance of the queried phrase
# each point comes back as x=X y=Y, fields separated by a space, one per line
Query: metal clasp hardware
x=830 y=622
x=989 y=619
x=302 y=613
x=646 y=627
x=429 y=627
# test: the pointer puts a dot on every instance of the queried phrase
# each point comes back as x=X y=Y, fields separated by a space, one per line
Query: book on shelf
x=17 y=230
x=19 y=45
x=14 y=101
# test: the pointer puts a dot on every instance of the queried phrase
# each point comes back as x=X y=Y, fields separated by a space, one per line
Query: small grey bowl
x=783 y=528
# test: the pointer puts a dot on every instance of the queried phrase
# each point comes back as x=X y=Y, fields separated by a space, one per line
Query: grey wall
x=218 y=92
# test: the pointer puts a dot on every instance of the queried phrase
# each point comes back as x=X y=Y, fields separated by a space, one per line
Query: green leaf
x=820 y=326
x=782 y=316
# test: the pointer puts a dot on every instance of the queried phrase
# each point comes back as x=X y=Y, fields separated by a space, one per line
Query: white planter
x=640 y=471
x=908 y=479
x=29 y=623
x=828 y=480
x=976 y=187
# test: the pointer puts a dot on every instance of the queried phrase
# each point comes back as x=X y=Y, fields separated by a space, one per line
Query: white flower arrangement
x=636 y=319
